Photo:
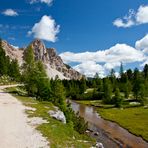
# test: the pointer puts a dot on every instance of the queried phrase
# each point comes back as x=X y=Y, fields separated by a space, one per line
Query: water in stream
x=107 y=132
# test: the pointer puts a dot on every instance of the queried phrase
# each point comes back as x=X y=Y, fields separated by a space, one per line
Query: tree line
x=111 y=89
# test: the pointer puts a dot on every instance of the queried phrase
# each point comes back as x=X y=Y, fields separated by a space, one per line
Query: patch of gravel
x=30 y=108
x=36 y=121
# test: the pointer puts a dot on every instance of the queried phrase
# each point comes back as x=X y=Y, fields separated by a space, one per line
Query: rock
x=87 y=131
x=40 y=51
x=13 y=52
x=57 y=114
x=99 y=145
x=134 y=103
x=30 y=108
x=96 y=133
x=36 y=121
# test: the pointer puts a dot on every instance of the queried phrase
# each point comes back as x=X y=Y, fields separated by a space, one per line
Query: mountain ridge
x=54 y=65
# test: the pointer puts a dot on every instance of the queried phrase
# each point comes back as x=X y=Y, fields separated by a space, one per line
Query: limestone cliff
x=54 y=64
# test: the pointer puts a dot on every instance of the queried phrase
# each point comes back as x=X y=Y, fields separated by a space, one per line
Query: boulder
x=99 y=145
x=57 y=114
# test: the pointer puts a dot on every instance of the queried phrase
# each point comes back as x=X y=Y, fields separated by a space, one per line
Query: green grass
x=89 y=90
x=132 y=118
x=135 y=120
x=96 y=103
x=58 y=134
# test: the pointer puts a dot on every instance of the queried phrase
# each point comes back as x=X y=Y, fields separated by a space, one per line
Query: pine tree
x=117 y=99
x=137 y=83
x=121 y=69
x=29 y=72
x=145 y=71
x=58 y=94
x=42 y=81
x=129 y=74
x=107 y=91
x=142 y=94
x=82 y=86
x=14 y=71
x=35 y=77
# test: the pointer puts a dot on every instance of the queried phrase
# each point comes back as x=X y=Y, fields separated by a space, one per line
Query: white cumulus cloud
x=120 y=23
x=133 y=18
x=142 y=15
x=48 y=2
x=10 y=12
x=127 y=20
x=105 y=60
x=142 y=44
x=115 y=54
x=45 y=29
x=89 y=68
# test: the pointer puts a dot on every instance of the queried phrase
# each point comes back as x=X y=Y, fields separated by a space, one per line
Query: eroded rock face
x=40 y=51
x=53 y=62
x=12 y=52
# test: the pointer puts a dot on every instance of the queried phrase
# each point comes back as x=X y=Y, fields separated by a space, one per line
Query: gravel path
x=15 y=131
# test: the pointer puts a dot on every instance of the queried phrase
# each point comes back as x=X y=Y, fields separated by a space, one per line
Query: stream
x=110 y=134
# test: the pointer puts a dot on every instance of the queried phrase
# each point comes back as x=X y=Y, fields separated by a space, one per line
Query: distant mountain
x=53 y=63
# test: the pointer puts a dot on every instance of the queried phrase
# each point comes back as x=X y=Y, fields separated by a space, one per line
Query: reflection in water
x=109 y=132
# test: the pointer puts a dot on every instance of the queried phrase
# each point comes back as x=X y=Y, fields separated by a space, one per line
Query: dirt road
x=15 y=131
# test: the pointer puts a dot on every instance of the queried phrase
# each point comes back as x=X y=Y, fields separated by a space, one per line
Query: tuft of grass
x=58 y=134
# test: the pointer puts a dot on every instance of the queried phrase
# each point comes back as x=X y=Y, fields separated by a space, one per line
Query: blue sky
x=80 y=26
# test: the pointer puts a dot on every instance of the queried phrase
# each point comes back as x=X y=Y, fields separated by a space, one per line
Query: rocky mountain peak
x=39 y=49
x=37 y=43
x=53 y=63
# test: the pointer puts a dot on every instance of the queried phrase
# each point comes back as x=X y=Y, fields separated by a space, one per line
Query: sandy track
x=15 y=132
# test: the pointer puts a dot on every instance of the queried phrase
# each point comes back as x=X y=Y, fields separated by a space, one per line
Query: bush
x=78 y=122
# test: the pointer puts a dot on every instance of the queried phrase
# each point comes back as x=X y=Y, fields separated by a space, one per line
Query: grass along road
x=58 y=134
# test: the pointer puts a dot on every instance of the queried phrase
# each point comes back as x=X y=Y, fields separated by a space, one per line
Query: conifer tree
x=107 y=91
x=14 y=71
x=117 y=99
x=145 y=71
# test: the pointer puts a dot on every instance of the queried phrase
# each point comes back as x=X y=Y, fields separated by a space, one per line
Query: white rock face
x=13 y=53
x=53 y=73
x=59 y=115
x=99 y=145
